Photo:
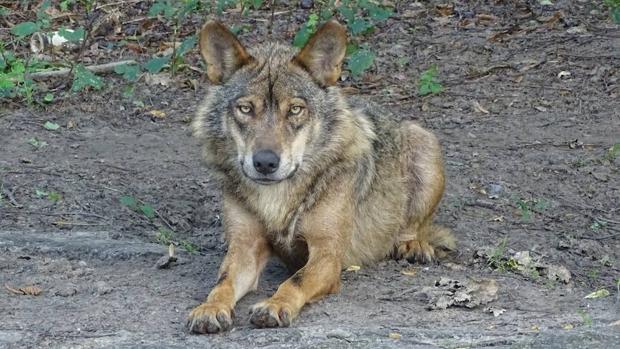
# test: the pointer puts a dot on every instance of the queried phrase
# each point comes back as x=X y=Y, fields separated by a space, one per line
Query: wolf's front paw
x=271 y=313
x=210 y=318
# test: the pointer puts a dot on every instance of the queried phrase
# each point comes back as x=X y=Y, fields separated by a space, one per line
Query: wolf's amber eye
x=245 y=109
x=294 y=110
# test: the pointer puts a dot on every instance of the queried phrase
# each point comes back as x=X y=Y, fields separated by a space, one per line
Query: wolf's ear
x=222 y=51
x=323 y=54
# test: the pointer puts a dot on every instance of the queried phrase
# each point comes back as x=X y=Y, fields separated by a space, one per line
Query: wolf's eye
x=296 y=109
x=245 y=109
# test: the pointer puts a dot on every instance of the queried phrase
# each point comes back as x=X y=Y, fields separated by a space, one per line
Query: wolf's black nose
x=266 y=161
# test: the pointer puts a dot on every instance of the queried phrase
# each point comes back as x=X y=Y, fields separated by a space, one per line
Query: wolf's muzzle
x=266 y=161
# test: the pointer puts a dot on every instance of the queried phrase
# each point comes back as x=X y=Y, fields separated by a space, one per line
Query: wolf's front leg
x=248 y=252
x=319 y=277
x=324 y=230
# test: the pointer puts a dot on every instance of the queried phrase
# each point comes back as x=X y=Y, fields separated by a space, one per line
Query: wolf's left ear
x=323 y=54
x=222 y=51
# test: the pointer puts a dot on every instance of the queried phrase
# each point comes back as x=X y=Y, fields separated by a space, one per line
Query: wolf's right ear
x=323 y=54
x=222 y=51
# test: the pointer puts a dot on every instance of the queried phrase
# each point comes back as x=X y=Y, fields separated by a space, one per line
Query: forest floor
x=528 y=118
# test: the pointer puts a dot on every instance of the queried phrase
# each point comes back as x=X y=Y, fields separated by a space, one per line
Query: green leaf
x=128 y=71
x=598 y=294
x=359 y=26
x=545 y=2
x=161 y=6
x=40 y=193
x=222 y=4
x=428 y=83
x=347 y=12
x=424 y=90
x=304 y=33
x=83 y=78
x=615 y=14
x=43 y=19
x=52 y=126
x=25 y=29
x=147 y=210
x=54 y=196
x=35 y=142
x=72 y=35
x=48 y=97
x=359 y=61
x=379 y=14
x=187 y=44
x=129 y=201
x=4 y=11
x=156 y=64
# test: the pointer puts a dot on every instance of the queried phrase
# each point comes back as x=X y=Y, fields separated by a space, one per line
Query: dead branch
x=98 y=68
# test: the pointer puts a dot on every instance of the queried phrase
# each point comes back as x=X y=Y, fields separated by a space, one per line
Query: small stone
x=102 y=288
x=165 y=262
x=339 y=334
x=494 y=190
x=66 y=291
x=306 y=4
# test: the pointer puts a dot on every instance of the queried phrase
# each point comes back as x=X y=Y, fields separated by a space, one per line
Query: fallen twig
x=98 y=68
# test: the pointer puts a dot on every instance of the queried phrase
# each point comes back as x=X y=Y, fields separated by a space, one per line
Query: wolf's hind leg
x=422 y=166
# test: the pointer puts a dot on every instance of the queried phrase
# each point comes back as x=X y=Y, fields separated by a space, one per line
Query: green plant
x=175 y=13
x=360 y=17
x=585 y=317
x=166 y=237
x=614 y=9
x=138 y=206
x=51 y=195
x=612 y=153
x=527 y=207
x=428 y=83
x=496 y=258
x=37 y=143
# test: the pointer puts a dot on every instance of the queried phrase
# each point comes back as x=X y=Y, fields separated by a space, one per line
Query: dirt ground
x=528 y=165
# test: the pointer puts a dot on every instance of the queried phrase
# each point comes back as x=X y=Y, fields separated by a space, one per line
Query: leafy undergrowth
x=144 y=38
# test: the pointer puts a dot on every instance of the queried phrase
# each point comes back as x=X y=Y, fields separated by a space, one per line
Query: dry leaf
x=157 y=113
x=479 y=108
x=353 y=268
x=25 y=291
x=162 y=79
x=71 y=124
x=598 y=294
x=564 y=75
x=495 y=311
x=445 y=9
x=469 y=294
x=567 y=326
x=394 y=335
x=482 y=17
x=409 y=271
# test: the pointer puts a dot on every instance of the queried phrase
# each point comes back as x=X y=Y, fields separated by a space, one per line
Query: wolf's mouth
x=269 y=181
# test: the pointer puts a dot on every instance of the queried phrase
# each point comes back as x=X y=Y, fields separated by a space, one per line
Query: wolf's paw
x=271 y=313
x=210 y=318
x=416 y=251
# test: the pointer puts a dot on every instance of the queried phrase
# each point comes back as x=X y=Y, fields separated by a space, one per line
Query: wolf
x=319 y=179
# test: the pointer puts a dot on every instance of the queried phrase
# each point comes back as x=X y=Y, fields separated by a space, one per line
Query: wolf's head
x=272 y=107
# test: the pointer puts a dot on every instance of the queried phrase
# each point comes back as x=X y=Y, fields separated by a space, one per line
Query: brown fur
x=353 y=185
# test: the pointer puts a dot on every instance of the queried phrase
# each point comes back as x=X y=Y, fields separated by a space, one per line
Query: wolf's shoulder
x=381 y=117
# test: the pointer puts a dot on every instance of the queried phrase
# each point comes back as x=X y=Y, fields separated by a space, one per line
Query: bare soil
x=528 y=168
